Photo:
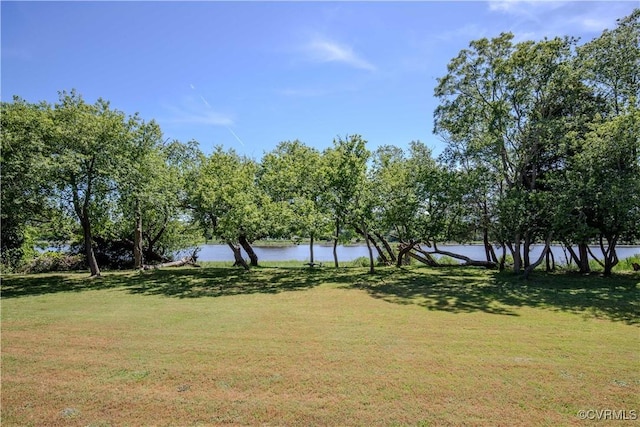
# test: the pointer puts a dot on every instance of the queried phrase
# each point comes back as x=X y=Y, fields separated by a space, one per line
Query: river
x=324 y=253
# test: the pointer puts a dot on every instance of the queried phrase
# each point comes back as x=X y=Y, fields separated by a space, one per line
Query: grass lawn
x=296 y=346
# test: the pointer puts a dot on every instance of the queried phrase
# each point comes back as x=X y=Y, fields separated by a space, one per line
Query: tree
x=225 y=199
x=24 y=196
x=152 y=197
x=348 y=192
x=607 y=163
x=612 y=183
x=502 y=111
x=293 y=177
x=89 y=146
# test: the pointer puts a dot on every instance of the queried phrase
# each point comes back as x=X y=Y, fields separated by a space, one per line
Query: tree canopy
x=542 y=144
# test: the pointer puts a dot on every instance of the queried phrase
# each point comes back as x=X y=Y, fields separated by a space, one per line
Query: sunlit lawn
x=298 y=346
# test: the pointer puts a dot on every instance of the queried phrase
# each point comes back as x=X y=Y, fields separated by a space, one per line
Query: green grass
x=287 y=345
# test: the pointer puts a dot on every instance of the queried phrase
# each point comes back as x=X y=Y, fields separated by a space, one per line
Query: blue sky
x=247 y=75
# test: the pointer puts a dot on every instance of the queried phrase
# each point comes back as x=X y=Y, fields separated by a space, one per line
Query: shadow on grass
x=218 y=282
x=180 y=282
x=452 y=289
x=30 y=285
x=459 y=290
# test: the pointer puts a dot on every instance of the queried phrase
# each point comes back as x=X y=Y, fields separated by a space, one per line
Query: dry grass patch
x=286 y=346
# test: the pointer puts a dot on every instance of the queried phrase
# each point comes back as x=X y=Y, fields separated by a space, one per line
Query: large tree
x=226 y=200
x=504 y=109
x=294 y=178
x=347 y=190
x=89 y=146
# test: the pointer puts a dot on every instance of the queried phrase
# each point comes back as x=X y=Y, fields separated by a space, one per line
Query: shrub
x=362 y=261
x=54 y=261
x=627 y=263
x=447 y=260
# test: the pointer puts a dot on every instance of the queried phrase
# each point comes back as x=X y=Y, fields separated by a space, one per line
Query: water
x=324 y=253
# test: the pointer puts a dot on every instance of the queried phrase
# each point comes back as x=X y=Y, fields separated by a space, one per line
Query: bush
x=363 y=261
x=447 y=260
x=627 y=263
x=54 y=261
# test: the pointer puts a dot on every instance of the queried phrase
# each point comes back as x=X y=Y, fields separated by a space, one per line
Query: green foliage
x=447 y=260
x=225 y=198
x=362 y=261
x=24 y=195
x=293 y=176
x=554 y=128
x=542 y=143
x=627 y=263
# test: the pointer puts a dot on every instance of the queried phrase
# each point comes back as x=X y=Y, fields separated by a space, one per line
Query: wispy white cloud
x=190 y=112
x=323 y=50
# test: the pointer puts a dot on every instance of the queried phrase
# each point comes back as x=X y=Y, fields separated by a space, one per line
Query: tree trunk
x=551 y=261
x=184 y=261
x=426 y=257
x=387 y=246
x=237 y=255
x=594 y=257
x=311 y=249
x=515 y=252
x=488 y=248
x=467 y=261
x=583 y=258
x=504 y=256
x=137 y=239
x=335 y=243
x=610 y=255
x=369 y=239
x=526 y=250
x=242 y=239
x=366 y=239
x=149 y=252
x=403 y=250
x=88 y=247
x=531 y=267
x=572 y=254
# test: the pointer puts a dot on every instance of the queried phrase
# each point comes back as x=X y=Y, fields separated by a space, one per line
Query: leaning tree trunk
x=383 y=257
x=403 y=250
x=242 y=239
x=237 y=255
x=387 y=246
x=610 y=255
x=369 y=239
x=137 y=238
x=366 y=239
x=488 y=248
x=531 y=267
x=88 y=247
x=190 y=260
